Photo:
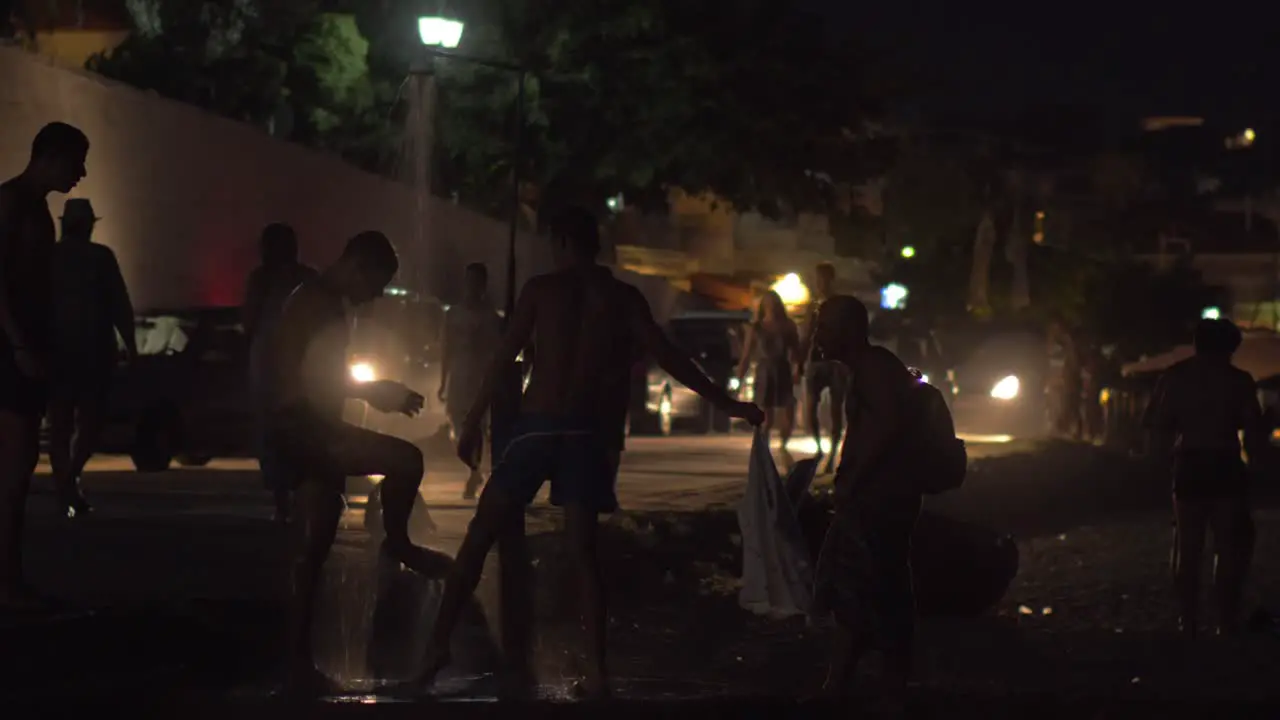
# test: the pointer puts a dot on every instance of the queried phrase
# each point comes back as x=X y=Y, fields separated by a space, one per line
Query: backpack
x=938 y=459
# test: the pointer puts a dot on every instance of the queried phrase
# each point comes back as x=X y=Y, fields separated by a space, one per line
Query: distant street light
x=791 y=289
x=440 y=32
x=1211 y=313
x=908 y=252
x=893 y=296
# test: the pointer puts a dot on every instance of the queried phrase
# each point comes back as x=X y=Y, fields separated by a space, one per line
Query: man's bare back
x=584 y=330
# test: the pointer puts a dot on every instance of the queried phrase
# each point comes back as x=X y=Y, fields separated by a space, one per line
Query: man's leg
x=582 y=532
x=494 y=515
x=813 y=387
x=19 y=453
x=62 y=428
x=1232 y=544
x=515 y=589
x=357 y=451
x=90 y=419
x=317 y=510
x=838 y=387
x=1193 y=520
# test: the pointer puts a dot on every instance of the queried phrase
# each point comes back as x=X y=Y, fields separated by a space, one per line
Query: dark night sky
x=1217 y=60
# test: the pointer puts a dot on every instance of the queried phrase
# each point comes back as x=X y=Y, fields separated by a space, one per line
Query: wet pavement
x=185 y=570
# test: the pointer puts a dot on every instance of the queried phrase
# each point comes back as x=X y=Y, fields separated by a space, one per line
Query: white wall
x=184 y=194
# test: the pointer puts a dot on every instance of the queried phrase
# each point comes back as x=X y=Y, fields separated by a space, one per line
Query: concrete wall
x=184 y=194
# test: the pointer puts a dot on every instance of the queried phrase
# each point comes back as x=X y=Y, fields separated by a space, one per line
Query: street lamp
x=440 y=36
x=440 y=32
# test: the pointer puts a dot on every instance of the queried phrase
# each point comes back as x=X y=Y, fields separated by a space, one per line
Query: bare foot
x=424 y=561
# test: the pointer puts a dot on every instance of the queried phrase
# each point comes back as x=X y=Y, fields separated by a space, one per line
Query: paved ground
x=1088 y=619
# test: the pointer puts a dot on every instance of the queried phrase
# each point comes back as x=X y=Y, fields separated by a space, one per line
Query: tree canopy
x=757 y=103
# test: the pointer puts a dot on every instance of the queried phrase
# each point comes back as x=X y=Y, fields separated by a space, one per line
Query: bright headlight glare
x=1006 y=389
x=363 y=372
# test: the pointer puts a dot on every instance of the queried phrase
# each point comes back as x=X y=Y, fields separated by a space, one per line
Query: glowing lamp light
x=1007 y=388
x=1211 y=313
x=893 y=296
x=440 y=32
x=363 y=372
x=908 y=252
x=1249 y=136
x=791 y=289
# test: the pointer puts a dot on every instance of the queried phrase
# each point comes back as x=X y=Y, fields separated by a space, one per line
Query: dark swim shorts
x=578 y=459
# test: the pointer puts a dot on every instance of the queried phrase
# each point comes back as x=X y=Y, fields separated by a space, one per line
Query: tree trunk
x=1015 y=251
x=980 y=277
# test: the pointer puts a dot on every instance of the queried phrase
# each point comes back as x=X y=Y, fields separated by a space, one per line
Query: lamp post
x=440 y=37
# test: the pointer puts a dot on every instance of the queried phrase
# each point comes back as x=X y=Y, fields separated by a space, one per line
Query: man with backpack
x=901 y=445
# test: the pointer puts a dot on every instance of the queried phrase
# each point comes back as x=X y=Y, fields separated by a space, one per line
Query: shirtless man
x=864 y=569
x=585 y=325
x=26 y=306
x=308 y=366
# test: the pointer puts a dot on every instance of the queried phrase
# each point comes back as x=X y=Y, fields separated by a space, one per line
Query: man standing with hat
x=91 y=305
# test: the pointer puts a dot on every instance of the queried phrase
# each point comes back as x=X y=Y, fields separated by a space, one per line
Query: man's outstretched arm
x=671 y=358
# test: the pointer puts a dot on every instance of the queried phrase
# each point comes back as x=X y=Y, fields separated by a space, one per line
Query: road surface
x=684 y=473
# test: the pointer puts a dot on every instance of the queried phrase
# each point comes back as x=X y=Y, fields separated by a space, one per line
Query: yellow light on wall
x=791 y=289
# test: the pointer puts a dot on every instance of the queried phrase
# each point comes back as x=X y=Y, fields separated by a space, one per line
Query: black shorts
x=826 y=375
x=20 y=394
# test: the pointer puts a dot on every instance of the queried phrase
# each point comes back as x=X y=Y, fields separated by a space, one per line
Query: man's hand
x=30 y=364
x=390 y=396
x=747 y=411
x=469 y=437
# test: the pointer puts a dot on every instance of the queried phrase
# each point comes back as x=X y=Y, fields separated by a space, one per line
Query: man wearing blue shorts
x=585 y=325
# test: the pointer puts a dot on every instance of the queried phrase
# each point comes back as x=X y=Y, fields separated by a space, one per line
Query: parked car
x=186 y=397
x=661 y=404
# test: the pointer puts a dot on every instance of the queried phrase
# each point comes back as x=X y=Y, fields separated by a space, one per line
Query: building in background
x=69 y=32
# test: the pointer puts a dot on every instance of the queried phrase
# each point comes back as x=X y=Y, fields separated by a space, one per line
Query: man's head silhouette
x=58 y=155
x=366 y=267
x=279 y=245
x=575 y=236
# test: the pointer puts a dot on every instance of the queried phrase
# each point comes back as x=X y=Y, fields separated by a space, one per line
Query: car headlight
x=1006 y=389
x=363 y=372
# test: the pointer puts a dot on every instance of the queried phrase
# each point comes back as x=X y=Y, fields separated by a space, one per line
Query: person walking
x=269 y=285
x=91 y=308
x=773 y=341
x=472 y=331
x=1200 y=409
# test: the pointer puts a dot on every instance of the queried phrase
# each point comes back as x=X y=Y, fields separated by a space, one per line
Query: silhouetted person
x=1199 y=409
x=820 y=375
x=864 y=568
x=773 y=341
x=472 y=330
x=308 y=371
x=91 y=305
x=269 y=285
x=585 y=325
x=26 y=319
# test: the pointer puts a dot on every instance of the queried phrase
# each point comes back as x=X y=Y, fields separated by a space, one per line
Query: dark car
x=661 y=404
x=186 y=397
